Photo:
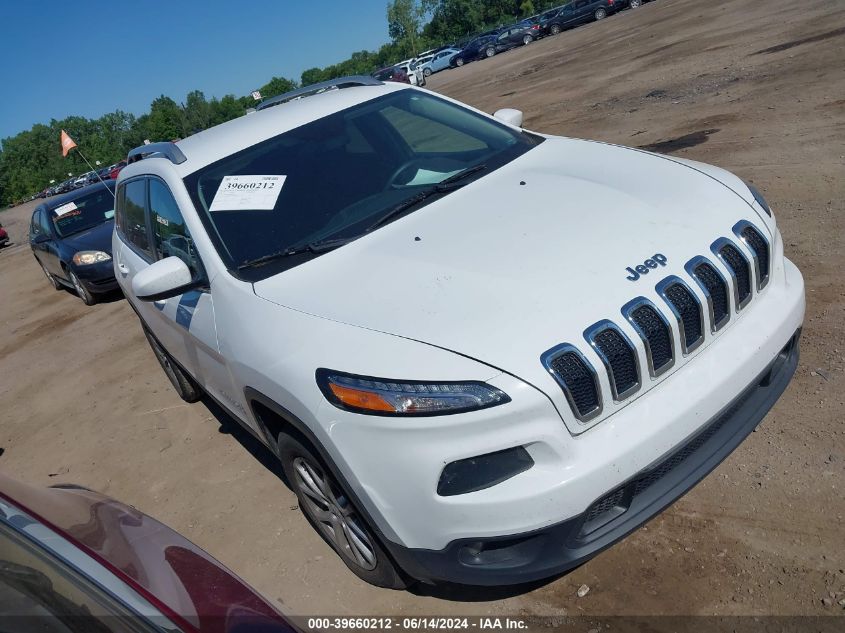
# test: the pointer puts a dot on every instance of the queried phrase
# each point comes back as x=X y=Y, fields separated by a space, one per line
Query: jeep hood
x=523 y=258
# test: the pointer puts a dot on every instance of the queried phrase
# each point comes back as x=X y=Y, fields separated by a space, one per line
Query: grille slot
x=687 y=311
x=577 y=378
x=655 y=332
x=605 y=504
x=760 y=247
x=619 y=357
x=716 y=289
x=739 y=268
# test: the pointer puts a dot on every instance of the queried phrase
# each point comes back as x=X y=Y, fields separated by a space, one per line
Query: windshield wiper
x=322 y=246
x=449 y=184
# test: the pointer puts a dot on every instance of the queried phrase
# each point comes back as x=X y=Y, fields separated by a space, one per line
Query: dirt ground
x=757 y=87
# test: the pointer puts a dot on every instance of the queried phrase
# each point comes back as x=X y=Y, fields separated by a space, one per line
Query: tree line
x=31 y=159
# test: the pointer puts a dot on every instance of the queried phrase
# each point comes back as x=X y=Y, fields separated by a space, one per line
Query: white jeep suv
x=481 y=354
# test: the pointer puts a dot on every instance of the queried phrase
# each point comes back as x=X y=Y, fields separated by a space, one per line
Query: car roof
x=228 y=138
x=155 y=560
x=70 y=196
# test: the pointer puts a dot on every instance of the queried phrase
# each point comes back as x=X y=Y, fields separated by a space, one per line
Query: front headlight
x=86 y=258
x=759 y=198
x=380 y=396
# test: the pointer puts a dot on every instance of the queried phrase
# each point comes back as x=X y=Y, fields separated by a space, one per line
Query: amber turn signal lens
x=359 y=399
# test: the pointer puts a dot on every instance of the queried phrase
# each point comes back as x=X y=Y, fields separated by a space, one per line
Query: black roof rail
x=165 y=149
x=323 y=86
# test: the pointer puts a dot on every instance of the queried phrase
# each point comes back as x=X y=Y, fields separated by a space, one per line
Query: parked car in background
x=4 y=237
x=392 y=73
x=414 y=72
x=438 y=61
x=81 y=181
x=115 y=169
x=65 y=186
x=70 y=236
x=517 y=35
x=578 y=12
x=482 y=46
x=450 y=418
x=74 y=560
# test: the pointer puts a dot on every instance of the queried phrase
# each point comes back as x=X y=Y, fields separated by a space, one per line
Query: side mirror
x=168 y=277
x=509 y=116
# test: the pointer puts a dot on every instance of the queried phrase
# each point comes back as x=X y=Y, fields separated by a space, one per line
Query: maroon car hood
x=178 y=577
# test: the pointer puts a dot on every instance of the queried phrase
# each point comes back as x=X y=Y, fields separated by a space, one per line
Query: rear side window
x=171 y=236
x=132 y=223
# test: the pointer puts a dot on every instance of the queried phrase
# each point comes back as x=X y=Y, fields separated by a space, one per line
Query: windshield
x=84 y=213
x=335 y=177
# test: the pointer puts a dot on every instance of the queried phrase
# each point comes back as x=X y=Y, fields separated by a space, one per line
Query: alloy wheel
x=334 y=513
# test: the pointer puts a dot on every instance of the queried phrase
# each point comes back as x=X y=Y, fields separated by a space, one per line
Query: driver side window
x=170 y=235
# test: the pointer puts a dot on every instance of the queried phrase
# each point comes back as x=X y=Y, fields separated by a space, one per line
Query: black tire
x=184 y=385
x=329 y=499
x=82 y=292
x=427 y=72
x=53 y=281
x=554 y=29
x=459 y=62
x=489 y=51
x=600 y=14
x=527 y=40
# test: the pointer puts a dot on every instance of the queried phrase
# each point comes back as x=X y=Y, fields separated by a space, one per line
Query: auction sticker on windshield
x=247 y=193
x=65 y=208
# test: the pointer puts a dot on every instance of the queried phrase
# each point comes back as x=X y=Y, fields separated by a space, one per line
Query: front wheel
x=459 y=61
x=490 y=52
x=83 y=292
x=330 y=511
x=53 y=281
x=635 y=3
x=601 y=14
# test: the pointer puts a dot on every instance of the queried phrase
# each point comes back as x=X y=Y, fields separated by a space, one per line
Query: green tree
x=166 y=120
x=527 y=9
x=276 y=86
x=197 y=112
x=404 y=21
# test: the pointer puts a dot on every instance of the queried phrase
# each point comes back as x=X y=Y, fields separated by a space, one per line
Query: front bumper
x=97 y=278
x=552 y=550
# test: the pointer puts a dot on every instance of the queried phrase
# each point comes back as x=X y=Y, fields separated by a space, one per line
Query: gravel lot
x=755 y=87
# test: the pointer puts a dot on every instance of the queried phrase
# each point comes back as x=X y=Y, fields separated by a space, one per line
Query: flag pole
x=94 y=170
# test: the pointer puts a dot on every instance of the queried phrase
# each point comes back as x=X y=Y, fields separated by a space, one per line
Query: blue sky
x=64 y=58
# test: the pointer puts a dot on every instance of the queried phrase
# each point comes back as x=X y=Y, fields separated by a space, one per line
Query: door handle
x=122 y=268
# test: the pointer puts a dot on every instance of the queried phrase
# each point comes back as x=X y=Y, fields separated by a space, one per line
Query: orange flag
x=67 y=143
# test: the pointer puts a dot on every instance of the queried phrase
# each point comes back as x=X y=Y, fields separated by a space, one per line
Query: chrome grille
x=739 y=269
x=577 y=378
x=715 y=289
x=759 y=247
x=655 y=333
x=619 y=357
x=687 y=311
